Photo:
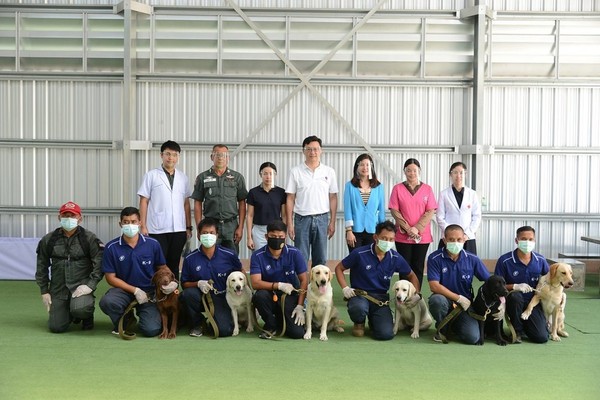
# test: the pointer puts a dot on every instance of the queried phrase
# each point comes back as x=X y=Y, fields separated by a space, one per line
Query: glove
x=204 y=286
x=412 y=301
x=170 y=288
x=81 y=291
x=298 y=315
x=348 y=292
x=463 y=302
x=47 y=300
x=499 y=316
x=140 y=296
x=522 y=287
x=285 y=287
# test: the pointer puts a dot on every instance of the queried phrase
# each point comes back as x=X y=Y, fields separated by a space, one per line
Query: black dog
x=489 y=297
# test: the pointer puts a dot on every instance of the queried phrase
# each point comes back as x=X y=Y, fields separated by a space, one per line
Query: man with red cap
x=68 y=271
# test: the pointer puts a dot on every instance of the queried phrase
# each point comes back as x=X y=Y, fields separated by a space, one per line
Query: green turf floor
x=36 y=364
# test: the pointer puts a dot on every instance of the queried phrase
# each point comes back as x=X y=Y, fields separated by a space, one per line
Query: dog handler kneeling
x=371 y=270
x=278 y=269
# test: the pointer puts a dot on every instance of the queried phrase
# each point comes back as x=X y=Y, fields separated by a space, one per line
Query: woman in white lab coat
x=458 y=204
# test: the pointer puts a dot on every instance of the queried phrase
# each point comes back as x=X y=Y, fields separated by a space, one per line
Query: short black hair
x=267 y=164
x=127 y=211
x=453 y=227
x=311 y=139
x=385 y=225
x=169 y=144
x=208 y=221
x=525 y=228
x=277 y=225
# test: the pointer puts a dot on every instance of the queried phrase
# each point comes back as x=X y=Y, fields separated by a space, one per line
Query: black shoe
x=76 y=320
x=87 y=324
x=266 y=335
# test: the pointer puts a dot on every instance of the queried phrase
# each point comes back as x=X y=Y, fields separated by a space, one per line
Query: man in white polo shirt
x=311 y=195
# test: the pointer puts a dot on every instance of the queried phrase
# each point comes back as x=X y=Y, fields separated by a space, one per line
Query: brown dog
x=168 y=304
x=550 y=292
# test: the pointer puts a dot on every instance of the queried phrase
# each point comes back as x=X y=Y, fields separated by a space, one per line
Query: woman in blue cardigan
x=364 y=204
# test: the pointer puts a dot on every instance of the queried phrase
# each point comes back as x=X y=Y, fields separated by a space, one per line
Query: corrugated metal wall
x=402 y=85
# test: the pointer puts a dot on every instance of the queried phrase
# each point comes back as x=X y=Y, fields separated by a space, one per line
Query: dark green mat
x=36 y=364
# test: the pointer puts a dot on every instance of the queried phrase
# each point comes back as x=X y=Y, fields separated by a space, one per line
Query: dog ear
x=553 y=270
x=330 y=275
x=411 y=289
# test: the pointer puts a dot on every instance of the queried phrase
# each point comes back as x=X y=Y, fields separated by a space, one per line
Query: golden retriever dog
x=320 y=308
x=417 y=318
x=168 y=304
x=239 y=298
x=550 y=292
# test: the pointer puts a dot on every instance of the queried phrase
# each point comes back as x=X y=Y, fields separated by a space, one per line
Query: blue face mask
x=68 y=224
x=130 y=230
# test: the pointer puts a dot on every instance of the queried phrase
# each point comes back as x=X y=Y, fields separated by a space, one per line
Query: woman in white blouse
x=458 y=204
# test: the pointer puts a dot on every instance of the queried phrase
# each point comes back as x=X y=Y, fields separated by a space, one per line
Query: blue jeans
x=380 y=317
x=311 y=237
x=535 y=326
x=195 y=308
x=116 y=300
x=465 y=327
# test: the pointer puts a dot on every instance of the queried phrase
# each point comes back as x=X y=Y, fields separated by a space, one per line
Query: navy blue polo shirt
x=137 y=265
x=514 y=271
x=370 y=274
x=197 y=266
x=267 y=205
x=286 y=268
x=456 y=276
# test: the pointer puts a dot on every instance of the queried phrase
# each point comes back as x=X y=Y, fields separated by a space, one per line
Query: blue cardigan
x=360 y=216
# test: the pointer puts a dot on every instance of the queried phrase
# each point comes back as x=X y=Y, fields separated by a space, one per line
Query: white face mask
x=526 y=246
x=208 y=240
x=68 y=224
x=454 y=247
x=385 y=246
x=130 y=230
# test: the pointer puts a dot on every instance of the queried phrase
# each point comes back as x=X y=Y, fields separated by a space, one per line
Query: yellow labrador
x=320 y=303
x=239 y=299
x=416 y=317
x=550 y=292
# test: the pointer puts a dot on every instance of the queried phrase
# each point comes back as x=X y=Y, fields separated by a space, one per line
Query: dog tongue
x=238 y=292
x=322 y=289
x=502 y=300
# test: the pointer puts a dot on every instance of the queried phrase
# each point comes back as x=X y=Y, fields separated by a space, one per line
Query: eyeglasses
x=312 y=149
x=169 y=154
x=220 y=155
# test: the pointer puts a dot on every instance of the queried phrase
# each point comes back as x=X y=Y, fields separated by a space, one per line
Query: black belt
x=224 y=221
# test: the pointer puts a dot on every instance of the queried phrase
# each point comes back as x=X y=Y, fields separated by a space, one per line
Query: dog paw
x=415 y=335
x=556 y=338
x=308 y=335
x=250 y=329
x=525 y=315
x=323 y=337
x=501 y=342
x=236 y=332
x=563 y=333
x=172 y=335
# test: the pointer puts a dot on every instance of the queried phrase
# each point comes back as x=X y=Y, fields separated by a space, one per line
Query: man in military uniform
x=68 y=271
x=220 y=193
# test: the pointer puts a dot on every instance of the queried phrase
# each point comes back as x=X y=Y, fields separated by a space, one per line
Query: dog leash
x=209 y=307
x=363 y=293
x=127 y=333
x=453 y=314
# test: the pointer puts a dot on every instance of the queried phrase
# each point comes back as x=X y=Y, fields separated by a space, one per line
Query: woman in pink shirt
x=413 y=205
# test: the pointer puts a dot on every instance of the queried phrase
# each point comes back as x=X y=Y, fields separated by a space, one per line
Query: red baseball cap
x=70 y=207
